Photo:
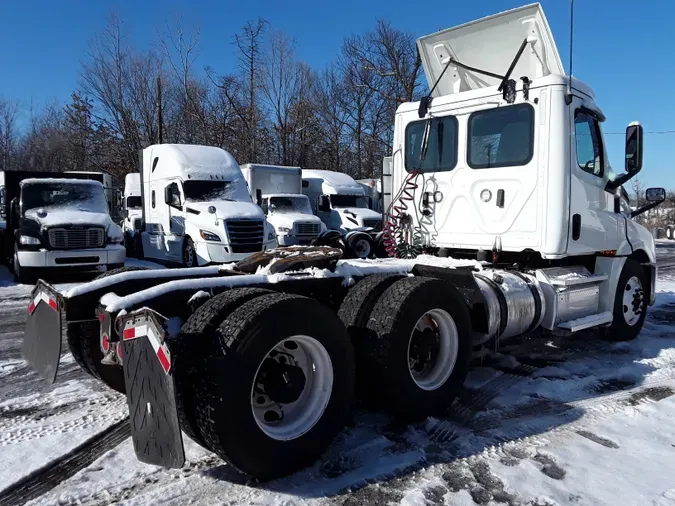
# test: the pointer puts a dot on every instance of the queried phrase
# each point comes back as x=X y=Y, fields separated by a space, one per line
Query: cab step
x=586 y=322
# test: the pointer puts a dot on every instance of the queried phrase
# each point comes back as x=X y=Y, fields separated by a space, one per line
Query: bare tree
x=9 y=113
x=250 y=55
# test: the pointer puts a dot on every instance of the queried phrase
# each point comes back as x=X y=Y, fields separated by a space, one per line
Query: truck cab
x=196 y=207
x=339 y=201
x=62 y=223
x=132 y=206
x=278 y=191
x=512 y=165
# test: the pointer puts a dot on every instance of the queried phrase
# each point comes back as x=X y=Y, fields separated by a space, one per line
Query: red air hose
x=397 y=210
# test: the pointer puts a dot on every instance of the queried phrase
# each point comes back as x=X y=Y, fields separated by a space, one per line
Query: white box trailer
x=278 y=191
x=509 y=178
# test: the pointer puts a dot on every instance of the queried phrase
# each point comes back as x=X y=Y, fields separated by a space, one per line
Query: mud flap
x=153 y=413
x=42 y=336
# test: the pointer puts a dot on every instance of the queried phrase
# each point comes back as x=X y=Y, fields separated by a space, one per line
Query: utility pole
x=159 y=110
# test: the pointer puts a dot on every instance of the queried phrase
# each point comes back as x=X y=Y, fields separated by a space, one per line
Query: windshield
x=297 y=204
x=207 y=191
x=338 y=201
x=71 y=196
x=134 y=203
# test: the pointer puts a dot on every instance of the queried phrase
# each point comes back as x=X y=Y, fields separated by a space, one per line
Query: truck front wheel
x=416 y=356
x=630 y=303
x=189 y=253
x=22 y=274
x=280 y=386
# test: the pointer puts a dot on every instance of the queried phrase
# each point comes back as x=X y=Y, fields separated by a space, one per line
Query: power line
x=653 y=132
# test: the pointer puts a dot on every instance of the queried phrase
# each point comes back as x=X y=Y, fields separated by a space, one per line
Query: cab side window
x=590 y=155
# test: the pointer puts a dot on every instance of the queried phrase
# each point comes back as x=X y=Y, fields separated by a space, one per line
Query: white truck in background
x=338 y=200
x=511 y=178
x=372 y=188
x=278 y=191
x=196 y=207
x=132 y=211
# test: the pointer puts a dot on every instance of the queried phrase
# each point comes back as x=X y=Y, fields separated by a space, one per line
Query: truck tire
x=22 y=275
x=630 y=303
x=416 y=357
x=189 y=253
x=359 y=244
x=261 y=425
x=119 y=269
x=138 y=246
x=357 y=306
x=190 y=350
x=83 y=342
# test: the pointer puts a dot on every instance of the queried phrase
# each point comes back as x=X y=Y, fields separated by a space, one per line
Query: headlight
x=208 y=236
x=271 y=235
x=285 y=230
x=27 y=240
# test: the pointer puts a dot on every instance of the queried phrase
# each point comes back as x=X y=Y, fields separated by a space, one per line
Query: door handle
x=500 y=198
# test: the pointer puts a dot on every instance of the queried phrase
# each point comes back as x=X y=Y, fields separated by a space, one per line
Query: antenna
x=568 y=99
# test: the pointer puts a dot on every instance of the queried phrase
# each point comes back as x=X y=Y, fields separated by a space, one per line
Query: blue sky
x=623 y=49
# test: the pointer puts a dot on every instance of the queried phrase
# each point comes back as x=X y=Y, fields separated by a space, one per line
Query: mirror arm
x=646 y=208
x=613 y=185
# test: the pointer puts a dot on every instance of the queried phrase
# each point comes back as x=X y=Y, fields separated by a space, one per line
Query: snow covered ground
x=543 y=422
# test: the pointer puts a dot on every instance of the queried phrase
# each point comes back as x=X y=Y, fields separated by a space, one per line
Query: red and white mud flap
x=155 y=429
x=42 y=336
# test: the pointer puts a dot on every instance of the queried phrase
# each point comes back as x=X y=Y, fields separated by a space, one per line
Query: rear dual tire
x=413 y=344
x=240 y=410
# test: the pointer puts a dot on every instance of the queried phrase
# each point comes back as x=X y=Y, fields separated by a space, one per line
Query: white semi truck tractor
x=196 y=208
x=506 y=220
x=132 y=209
x=343 y=206
x=278 y=191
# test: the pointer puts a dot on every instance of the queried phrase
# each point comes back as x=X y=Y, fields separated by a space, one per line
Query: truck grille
x=375 y=223
x=76 y=238
x=246 y=236
x=308 y=229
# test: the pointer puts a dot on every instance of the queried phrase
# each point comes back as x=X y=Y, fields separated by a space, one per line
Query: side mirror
x=258 y=196
x=167 y=195
x=634 y=137
x=654 y=196
x=324 y=203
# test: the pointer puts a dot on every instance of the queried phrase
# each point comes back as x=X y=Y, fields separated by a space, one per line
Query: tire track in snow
x=45 y=479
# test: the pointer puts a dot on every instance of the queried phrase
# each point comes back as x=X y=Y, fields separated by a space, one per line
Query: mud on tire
x=384 y=354
x=192 y=347
x=225 y=402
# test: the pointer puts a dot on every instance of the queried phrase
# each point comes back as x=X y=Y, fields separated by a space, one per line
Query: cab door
x=173 y=221
x=593 y=222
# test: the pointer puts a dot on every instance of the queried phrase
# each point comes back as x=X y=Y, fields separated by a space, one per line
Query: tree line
x=270 y=108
